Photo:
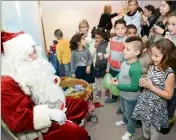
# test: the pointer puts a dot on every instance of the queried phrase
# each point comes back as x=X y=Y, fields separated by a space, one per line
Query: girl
x=84 y=28
x=100 y=57
x=81 y=59
x=151 y=107
x=171 y=34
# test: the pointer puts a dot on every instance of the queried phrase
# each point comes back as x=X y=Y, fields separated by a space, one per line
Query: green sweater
x=128 y=80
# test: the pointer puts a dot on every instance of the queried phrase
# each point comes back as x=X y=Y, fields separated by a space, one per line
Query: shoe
x=89 y=138
x=98 y=95
x=109 y=101
x=120 y=123
x=119 y=111
x=107 y=94
x=127 y=136
x=138 y=124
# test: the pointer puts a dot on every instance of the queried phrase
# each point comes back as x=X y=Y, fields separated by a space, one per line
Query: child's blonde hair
x=83 y=22
x=107 y=9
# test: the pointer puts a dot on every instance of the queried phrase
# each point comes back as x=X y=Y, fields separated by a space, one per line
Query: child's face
x=82 y=41
x=84 y=29
x=130 y=52
x=131 y=32
x=120 y=30
x=156 y=56
x=172 y=25
x=164 y=8
x=133 y=6
x=147 y=13
x=98 y=38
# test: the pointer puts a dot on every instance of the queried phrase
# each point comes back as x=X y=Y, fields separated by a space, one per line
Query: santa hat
x=14 y=43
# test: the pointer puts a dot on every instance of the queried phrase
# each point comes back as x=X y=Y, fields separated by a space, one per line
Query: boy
x=134 y=16
x=116 y=54
x=131 y=30
x=63 y=52
x=127 y=81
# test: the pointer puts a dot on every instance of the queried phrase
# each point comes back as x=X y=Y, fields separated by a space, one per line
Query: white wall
x=22 y=16
x=67 y=14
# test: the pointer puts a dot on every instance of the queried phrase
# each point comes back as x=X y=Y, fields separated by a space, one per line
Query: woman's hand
x=88 y=69
x=158 y=30
x=73 y=75
x=146 y=83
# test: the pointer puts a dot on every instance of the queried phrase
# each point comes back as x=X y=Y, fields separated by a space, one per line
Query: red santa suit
x=31 y=101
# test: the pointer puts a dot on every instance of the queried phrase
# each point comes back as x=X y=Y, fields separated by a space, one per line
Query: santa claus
x=33 y=103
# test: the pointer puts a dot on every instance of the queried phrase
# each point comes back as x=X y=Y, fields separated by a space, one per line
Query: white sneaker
x=127 y=136
x=120 y=123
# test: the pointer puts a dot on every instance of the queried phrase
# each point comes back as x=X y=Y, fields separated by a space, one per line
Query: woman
x=105 y=19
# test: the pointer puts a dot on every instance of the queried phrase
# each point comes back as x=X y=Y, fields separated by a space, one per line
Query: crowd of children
x=143 y=64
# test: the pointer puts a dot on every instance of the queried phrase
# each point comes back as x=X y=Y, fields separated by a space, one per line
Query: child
x=84 y=28
x=81 y=59
x=145 y=58
x=63 y=52
x=134 y=16
x=171 y=34
x=131 y=30
x=127 y=81
x=100 y=58
x=151 y=107
x=116 y=54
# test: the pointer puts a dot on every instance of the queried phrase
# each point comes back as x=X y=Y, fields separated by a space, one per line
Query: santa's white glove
x=58 y=116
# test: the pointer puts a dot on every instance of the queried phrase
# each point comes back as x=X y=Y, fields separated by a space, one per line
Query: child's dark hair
x=74 y=40
x=131 y=26
x=102 y=32
x=129 y=1
x=58 y=33
x=168 y=50
x=120 y=21
x=150 y=8
x=138 y=43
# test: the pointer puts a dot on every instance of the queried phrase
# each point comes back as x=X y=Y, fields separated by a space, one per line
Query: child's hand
x=88 y=69
x=146 y=83
x=107 y=70
x=73 y=75
x=114 y=81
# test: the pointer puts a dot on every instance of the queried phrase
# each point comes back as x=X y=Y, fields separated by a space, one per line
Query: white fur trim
x=17 y=44
x=41 y=117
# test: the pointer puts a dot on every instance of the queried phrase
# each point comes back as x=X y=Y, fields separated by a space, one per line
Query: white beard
x=36 y=79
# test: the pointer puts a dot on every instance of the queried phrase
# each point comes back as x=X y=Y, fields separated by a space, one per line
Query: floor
x=105 y=129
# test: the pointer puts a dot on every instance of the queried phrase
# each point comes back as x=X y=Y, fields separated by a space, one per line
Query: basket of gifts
x=76 y=88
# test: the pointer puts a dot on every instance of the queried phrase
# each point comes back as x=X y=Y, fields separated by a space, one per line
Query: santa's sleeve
x=18 y=110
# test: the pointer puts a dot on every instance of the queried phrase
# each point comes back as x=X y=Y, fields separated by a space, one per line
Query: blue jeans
x=127 y=107
x=67 y=70
x=171 y=105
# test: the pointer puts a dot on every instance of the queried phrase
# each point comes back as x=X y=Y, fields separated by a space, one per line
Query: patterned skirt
x=151 y=110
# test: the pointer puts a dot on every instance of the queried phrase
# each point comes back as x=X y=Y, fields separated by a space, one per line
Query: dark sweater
x=105 y=21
